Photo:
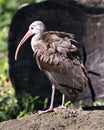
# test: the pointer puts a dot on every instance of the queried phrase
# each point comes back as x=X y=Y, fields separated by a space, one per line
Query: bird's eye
x=32 y=27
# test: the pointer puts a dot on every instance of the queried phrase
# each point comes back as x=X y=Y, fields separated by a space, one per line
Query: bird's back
x=57 y=54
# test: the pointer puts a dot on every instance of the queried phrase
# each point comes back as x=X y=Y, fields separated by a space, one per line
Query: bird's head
x=36 y=28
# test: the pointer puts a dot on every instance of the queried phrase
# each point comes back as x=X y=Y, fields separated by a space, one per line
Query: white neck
x=34 y=40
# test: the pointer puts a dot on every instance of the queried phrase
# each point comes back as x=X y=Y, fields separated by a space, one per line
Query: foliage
x=98 y=103
x=23 y=104
x=69 y=104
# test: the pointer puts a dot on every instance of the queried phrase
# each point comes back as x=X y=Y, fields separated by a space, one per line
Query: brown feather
x=57 y=54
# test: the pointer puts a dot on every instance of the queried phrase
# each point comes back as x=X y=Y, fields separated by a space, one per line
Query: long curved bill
x=27 y=35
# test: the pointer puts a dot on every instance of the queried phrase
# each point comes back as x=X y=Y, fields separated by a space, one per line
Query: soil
x=67 y=119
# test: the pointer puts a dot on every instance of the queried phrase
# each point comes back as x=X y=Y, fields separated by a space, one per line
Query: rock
x=67 y=119
x=87 y=3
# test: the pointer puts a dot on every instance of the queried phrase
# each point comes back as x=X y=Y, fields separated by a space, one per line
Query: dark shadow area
x=92 y=108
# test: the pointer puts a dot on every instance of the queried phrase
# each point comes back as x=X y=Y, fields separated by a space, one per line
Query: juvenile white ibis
x=57 y=54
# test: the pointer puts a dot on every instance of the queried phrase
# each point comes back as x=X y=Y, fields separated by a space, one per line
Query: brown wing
x=56 y=54
x=52 y=51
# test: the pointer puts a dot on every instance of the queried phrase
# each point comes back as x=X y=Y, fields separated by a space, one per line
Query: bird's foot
x=60 y=107
x=45 y=111
x=51 y=110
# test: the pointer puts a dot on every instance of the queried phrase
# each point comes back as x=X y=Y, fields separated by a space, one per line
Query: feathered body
x=58 y=56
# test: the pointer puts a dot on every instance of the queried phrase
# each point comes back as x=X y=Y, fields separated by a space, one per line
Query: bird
x=57 y=54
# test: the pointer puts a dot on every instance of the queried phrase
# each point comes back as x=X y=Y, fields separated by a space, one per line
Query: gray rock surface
x=63 y=120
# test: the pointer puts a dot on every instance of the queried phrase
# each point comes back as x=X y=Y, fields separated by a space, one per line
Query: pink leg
x=62 y=105
x=51 y=104
x=63 y=100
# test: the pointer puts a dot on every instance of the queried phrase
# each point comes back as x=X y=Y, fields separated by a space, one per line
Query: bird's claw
x=45 y=111
x=51 y=110
x=58 y=108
